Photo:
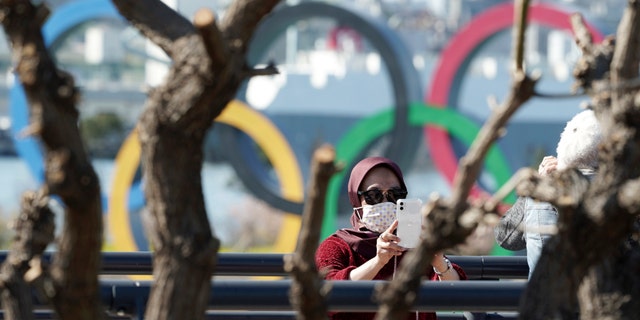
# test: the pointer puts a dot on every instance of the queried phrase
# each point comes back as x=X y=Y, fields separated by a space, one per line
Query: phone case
x=408 y=212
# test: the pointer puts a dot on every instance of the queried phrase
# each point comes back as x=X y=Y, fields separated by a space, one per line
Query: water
x=16 y=179
x=237 y=218
x=222 y=195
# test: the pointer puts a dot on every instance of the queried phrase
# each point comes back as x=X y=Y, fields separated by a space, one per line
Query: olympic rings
x=401 y=122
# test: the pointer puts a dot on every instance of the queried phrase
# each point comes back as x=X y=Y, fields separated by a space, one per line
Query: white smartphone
x=408 y=212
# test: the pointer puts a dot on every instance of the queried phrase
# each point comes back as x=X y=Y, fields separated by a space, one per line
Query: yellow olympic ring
x=255 y=125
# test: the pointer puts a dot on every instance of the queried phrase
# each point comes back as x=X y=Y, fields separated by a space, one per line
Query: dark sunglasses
x=375 y=196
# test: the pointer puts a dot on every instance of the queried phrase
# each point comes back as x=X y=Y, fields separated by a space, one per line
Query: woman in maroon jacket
x=370 y=250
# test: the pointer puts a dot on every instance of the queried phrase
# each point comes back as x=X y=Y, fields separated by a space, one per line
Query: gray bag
x=509 y=233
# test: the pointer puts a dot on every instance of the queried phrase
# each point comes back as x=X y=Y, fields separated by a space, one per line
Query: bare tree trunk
x=208 y=67
x=587 y=269
x=307 y=294
x=73 y=283
x=611 y=290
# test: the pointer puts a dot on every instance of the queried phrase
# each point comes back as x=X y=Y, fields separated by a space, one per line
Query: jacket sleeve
x=333 y=259
x=509 y=233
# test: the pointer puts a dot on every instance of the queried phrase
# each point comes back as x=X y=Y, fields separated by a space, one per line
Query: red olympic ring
x=460 y=50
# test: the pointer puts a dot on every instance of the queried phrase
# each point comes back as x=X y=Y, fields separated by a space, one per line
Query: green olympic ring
x=366 y=131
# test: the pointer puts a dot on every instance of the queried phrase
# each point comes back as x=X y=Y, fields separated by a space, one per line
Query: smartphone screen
x=408 y=212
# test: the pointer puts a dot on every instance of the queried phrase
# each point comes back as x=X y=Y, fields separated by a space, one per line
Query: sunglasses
x=375 y=196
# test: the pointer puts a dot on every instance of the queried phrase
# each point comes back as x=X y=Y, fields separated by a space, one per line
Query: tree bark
x=307 y=294
x=34 y=229
x=610 y=290
x=208 y=68
x=73 y=284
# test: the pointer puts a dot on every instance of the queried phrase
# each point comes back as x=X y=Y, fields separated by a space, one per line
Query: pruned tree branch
x=212 y=37
x=450 y=222
x=241 y=20
x=269 y=70
x=521 y=13
x=626 y=57
x=492 y=203
x=563 y=189
x=34 y=231
x=522 y=89
x=628 y=196
x=307 y=292
x=593 y=66
x=150 y=17
x=582 y=35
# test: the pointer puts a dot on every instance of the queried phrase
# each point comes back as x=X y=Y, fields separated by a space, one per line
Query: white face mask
x=378 y=217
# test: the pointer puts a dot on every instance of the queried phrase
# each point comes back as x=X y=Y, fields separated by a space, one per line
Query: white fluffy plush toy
x=578 y=145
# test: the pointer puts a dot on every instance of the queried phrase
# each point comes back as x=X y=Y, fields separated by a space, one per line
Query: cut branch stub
x=212 y=37
x=584 y=39
x=628 y=196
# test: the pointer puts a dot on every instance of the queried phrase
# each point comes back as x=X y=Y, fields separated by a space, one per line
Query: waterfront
x=222 y=194
x=237 y=217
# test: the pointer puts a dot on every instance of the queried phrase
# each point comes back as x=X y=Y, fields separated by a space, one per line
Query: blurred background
x=409 y=79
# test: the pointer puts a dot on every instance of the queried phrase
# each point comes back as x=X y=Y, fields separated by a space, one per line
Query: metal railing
x=259 y=299
x=344 y=296
x=272 y=264
x=492 y=298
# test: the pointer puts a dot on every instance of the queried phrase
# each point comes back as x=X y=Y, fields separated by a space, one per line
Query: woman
x=529 y=224
x=370 y=250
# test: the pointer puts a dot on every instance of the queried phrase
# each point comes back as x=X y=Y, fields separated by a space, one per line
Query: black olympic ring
x=407 y=88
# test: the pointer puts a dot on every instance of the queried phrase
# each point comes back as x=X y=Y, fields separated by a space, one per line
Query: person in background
x=529 y=224
x=370 y=250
